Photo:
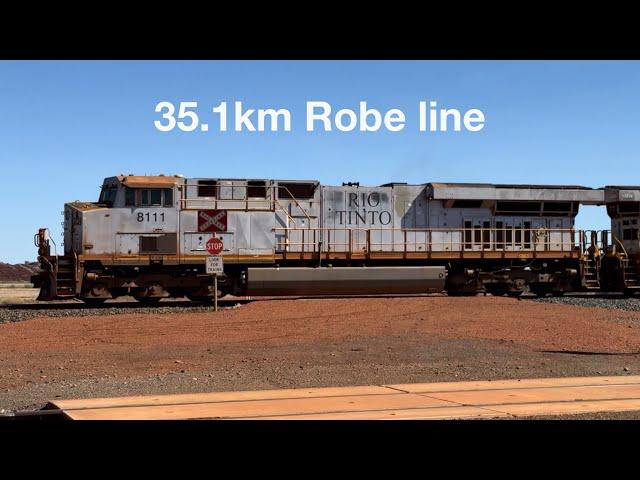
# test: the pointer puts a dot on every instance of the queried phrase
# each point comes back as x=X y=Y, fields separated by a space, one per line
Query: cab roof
x=138 y=181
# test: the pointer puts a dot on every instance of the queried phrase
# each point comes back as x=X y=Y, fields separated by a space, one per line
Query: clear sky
x=64 y=126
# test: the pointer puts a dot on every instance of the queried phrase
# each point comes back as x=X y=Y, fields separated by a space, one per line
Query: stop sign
x=214 y=246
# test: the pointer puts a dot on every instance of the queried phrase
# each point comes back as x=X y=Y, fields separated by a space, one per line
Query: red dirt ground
x=262 y=337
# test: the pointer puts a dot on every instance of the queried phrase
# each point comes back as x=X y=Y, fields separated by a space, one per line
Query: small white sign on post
x=214 y=265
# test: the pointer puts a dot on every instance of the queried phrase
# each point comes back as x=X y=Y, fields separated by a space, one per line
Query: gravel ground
x=630 y=304
x=8 y=315
x=630 y=415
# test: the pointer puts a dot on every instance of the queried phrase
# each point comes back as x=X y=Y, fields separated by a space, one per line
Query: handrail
x=621 y=246
x=295 y=200
x=276 y=202
x=45 y=235
x=55 y=246
x=457 y=241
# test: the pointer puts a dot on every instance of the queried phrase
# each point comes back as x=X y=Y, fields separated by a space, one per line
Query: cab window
x=167 y=197
x=630 y=234
x=155 y=197
x=129 y=197
x=108 y=195
x=148 y=197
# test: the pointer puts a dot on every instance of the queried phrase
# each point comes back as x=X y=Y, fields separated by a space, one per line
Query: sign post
x=214 y=265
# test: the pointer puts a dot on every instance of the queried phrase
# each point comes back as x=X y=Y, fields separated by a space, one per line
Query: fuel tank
x=344 y=280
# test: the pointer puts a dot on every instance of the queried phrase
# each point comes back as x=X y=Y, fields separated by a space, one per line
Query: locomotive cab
x=118 y=194
x=621 y=265
x=133 y=223
x=138 y=212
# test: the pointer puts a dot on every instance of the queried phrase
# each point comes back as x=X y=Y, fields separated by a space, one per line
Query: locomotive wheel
x=518 y=287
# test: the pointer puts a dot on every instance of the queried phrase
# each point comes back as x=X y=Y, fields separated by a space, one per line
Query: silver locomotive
x=148 y=236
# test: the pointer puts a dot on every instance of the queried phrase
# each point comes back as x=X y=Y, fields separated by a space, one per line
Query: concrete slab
x=490 y=399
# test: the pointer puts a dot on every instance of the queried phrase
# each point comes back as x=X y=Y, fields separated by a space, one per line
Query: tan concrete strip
x=262 y=408
x=412 y=401
x=401 y=414
x=569 y=408
x=522 y=383
x=462 y=412
x=539 y=395
x=247 y=395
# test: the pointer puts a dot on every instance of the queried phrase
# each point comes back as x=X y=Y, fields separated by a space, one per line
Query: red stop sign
x=214 y=246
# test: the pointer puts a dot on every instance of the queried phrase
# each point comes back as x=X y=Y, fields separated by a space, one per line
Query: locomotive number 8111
x=146 y=236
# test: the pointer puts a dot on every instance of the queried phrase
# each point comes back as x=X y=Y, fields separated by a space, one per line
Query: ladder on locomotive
x=60 y=269
x=592 y=256
x=591 y=265
x=630 y=271
x=65 y=277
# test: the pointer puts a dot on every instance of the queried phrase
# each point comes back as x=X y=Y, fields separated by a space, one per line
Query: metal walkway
x=487 y=399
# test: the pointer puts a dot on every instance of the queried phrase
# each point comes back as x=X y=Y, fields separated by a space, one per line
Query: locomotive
x=147 y=236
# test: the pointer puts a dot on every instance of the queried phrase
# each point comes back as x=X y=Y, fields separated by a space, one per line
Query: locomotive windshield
x=108 y=195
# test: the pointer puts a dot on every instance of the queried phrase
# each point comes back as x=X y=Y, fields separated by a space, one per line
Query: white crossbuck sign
x=208 y=221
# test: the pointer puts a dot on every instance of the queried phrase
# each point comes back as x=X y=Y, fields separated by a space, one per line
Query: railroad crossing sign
x=214 y=246
x=212 y=220
x=214 y=265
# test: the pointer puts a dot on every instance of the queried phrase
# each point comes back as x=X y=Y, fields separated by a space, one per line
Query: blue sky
x=66 y=125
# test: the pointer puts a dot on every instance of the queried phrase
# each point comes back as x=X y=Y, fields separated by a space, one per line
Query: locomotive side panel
x=297 y=215
x=411 y=215
x=348 y=212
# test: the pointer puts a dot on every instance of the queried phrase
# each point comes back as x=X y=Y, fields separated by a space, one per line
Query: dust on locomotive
x=147 y=237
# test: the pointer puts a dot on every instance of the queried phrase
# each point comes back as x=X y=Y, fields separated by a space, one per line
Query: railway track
x=26 y=311
x=120 y=305
x=226 y=302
